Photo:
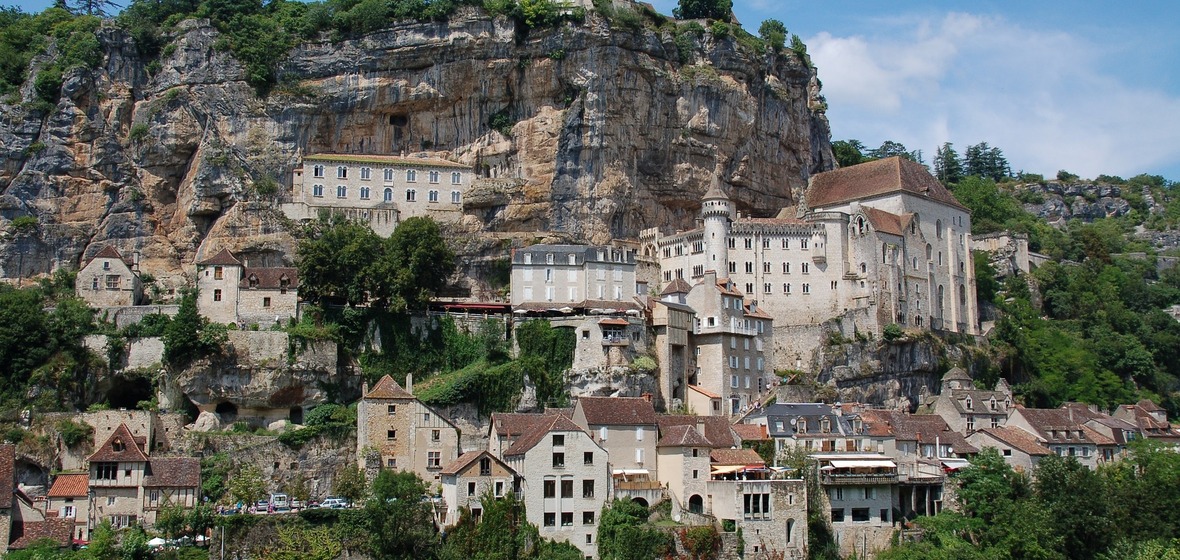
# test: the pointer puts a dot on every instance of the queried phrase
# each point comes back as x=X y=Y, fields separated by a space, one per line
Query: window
x=456 y=178
x=869 y=492
x=767 y=267
x=638 y=433
x=106 y=471
x=388 y=195
x=567 y=488
x=749 y=243
x=587 y=488
x=550 y=519
x=390 y=434
x=837 y=515
x=559 y=460
x=805 y=268
x=341 y=172
x=434 y=460
x=433 y=175
x=732 y=267
x=454 y=197
x=749 y=287
x=485 y=467
x=317 y=191
x=470 y=488
x=341 y=191
x=411 y=176
x=499 y=489
x=112 y=282
x=388 y=175
x=435 y=435
x=807 y=288
x=756 y=506
x=411 y=195
x=766 y=288
x=558 y=440
x=317 y=171
x=111 y=501
x=218 y=273
x=733 y=380
x=588 y=458
x=749 y=267
x=567 y=518
x=216 y=295
x=970 y=422
x=786 y=288
x=391 y=463
x=432 y=196
x=366 y=173
x=67 y=511
x=94 y=283
x=802 y=243
x=884 y=515
x=365 y=193
x=860 y=514
x=995 y=422
x=391 y=409
x=587 y=518
x=602 y=433
x=550 y=488
x=266 y=302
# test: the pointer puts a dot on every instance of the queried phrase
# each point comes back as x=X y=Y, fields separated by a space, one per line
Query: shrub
x=720 y=30
x=139 y=131
x=25 y=223
x=73 y=433
x=47 y=84
x=892 y=332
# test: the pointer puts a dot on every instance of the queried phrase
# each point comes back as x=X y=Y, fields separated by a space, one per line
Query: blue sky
x=1087 y=86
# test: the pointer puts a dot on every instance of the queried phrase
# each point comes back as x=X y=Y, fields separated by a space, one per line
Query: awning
x=629 y=472
x=614 y=322
x=954 y=464
x=728 y=469
x=863 y=463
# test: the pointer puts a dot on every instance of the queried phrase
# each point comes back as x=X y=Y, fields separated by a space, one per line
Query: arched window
x=863 y=268
x=790 y=530
x=388 y=195
x=962 y=295
x=938 y=228
x=914 y=224
x=929 y=251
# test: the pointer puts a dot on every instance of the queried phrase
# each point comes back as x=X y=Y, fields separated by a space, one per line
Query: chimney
x=701 y=426
x=410 y=383
x=364 y=388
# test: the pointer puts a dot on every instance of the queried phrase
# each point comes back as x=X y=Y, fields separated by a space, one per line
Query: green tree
x=350 y=483
x=247 y=486
x=711 y=9
x=947 y=167
x=170 y=520
x=418 y=263
x=985 y=161
x=774 y=33
x=190 y=336
x=401 y=521
x=848 y=152
x=1075 y=499
x=23 y=335
x=100 y=8
x=624 y=534
x=339 y=260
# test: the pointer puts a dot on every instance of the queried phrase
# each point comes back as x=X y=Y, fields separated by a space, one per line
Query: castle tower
x=717 y=213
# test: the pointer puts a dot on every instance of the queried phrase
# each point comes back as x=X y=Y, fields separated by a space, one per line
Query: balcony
x=616 y=341
x=865 y=479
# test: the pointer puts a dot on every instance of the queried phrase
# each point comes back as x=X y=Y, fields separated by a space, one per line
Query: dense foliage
x=1064 y=510
x=625 y=534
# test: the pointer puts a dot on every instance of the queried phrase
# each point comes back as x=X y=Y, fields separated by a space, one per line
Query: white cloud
x=1049 y=99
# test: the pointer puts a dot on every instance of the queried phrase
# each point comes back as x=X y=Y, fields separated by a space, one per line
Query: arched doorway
x=640 y=501
x=696 y=504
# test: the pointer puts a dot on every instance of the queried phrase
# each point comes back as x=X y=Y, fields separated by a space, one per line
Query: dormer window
x=993 y=403
x=967 y=403
x=117 y=445
x=802 y=426
x=825 y=426
x=253 y=281
x=284 y=281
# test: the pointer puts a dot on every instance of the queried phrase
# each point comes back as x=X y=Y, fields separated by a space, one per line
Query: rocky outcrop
x=1059 y=202
x=610 y=133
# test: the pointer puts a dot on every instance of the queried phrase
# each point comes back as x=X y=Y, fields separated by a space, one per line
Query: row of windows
x=572 y=275
x=735 y=362
x=733 y=380
x=549 y=488
x=551 y=293
x=858 y=515
x=317 y=191
x=567 y=519
x=699 y=246
x=768 y=268
x=366 y=174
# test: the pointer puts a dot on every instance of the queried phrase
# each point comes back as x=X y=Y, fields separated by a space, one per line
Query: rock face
x=1058 y=202
x=891 y=375
x=610 y=133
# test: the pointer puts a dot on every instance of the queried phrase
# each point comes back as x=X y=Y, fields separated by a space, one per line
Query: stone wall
x=319 y=460
x=129 y=315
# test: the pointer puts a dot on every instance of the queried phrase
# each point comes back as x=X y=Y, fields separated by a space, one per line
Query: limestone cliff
x=610 y=133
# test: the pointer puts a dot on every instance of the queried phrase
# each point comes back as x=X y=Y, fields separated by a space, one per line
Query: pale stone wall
x=266 y=307
x=406 y=435
x=1017 y=459
x=538 y=467
x=81 y=505
x=677 y=467
x=863 y=538
x=572 y=273
x=217 y=292
x=458 y=492
x=129 y=315
x=627 y=447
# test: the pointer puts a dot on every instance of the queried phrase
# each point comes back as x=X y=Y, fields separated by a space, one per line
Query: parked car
x=298 y=504
x=334 y=503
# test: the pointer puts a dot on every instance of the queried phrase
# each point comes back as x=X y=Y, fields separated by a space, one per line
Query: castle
x=870 y=245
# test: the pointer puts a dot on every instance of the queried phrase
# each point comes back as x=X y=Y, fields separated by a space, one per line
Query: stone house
x=68 y=498
x=128 y=487
x=1151 y=419
x=966 y=408
x=1062 y=431
x=683 y=466
x=730 y=343
x=379 y=190
x=625 y=426
x=109 y=279
x=231 y=292
x=701 y=401
x=1020 y=449
x=402 y=433
x=771 y=513
x=877 y=243
x=469 y=478
x=671 y=325
x=815 y=427
x=567 y=480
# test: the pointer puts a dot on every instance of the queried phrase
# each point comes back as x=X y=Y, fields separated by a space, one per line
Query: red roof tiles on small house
x=744 y=457
x=751 y=432
x=70 y=485
x=387 y=388
x=676 y=286
x=876 y=178
x=174 y=472
x=221 y=258
x=703 y=392
x=884 y=222
x=718 y=431
x=617 y=411
x=683 y=436
x=1019 y=439
x=528 y=440
x=467 y=459
x=121 y=446
x=59 y=530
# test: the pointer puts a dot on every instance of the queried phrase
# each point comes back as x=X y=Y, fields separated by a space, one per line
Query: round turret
x=716 y=213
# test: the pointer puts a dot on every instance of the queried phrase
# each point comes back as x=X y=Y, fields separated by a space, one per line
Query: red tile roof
x=617 y=411
x=676 y=286
x=470 y=457
x=683 y=436
x=721 y=457
x=718 y=430
x=222 y=258
x=884 y=222
x=883 y=176
x=174 y=472
x=751 y=432
x=528 y=440
x=509 y=424
x=270 y=278
x=110 y=252
x=387 y=388
x=70 y=485
x=129 y=452
x=702 y=391
x=728 y=288
x=1018 y=439
x=25 y=534
x=7 y=474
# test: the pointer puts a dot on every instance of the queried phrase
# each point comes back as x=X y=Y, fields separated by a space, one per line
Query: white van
x=280 y=502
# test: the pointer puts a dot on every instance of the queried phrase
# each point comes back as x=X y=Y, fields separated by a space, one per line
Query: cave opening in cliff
x=129 y=392
x=227 y=412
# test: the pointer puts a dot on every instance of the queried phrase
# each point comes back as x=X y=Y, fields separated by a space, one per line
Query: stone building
x=627 y=428
x=814 y=427
x=730 y=344
x=379 y=190
x=110 y=279
x=1063 y=432
x=683 y=466
x=877 y=243
x=575 y=276
x=860 y=490
x=403 y=433
x=128 y=487
x=671 y=326
x=68 y=498
x=231 y=292
x=1019 y=448
x=567 y=480
x=469 y=478
x=966 y=408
